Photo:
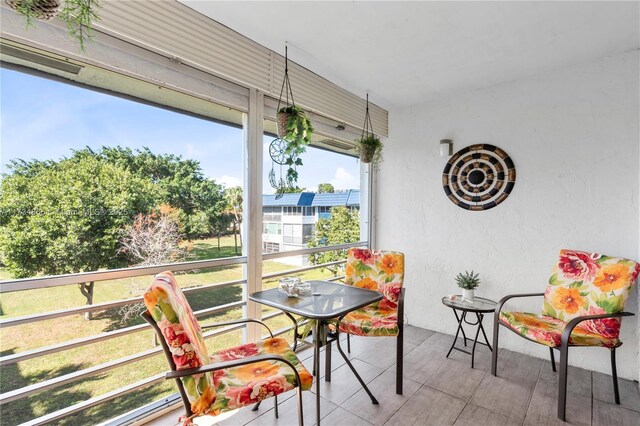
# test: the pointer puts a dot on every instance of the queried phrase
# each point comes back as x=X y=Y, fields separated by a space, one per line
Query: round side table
x=478 y=306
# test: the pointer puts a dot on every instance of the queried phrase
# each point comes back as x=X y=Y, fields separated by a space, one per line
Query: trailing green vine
x=77 y=14
x=296 y=130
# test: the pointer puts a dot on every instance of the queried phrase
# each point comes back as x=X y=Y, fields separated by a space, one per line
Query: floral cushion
x=248 y=384
x=371 y=321
x=169 y=308
x=226 y=389
x=376 y=270
x=589 y=284
x=379 y=271
x=548 y=330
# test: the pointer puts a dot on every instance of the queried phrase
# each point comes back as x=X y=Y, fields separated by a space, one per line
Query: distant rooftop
x=347 y=198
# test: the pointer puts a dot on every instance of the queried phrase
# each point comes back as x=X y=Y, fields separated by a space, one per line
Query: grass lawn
x=44 y=333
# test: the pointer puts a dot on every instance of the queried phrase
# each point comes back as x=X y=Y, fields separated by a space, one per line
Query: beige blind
x=174 y=30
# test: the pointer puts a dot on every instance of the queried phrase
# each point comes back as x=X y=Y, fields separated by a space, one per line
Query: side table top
x=478 y=304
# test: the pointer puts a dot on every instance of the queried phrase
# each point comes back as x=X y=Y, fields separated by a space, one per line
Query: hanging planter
x=294 y=131
x=77 y=14
x=369 y=146
x=44 y=10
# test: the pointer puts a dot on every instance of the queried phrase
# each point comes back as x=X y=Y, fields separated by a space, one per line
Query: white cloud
x=345 y=180
x=229 y=181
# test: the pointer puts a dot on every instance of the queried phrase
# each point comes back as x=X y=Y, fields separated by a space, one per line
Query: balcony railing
x=95 y=370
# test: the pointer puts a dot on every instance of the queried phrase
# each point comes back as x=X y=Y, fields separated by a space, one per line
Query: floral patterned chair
x=583 y=306
x=382 y=271
x=228 y=379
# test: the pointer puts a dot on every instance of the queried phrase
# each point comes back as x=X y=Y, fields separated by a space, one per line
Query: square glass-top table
x=325 y=301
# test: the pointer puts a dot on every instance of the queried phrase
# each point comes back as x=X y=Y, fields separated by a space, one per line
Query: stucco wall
x=573 y=136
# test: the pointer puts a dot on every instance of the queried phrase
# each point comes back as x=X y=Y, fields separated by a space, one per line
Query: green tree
x=233 y=197
x=343 y=226
x=325 y=187
x=180 y=183
x=67 y=216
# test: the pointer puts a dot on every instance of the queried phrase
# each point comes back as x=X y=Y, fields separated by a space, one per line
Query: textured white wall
x=573 y=136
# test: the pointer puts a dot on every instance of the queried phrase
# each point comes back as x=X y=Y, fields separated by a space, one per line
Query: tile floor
x=441 y=391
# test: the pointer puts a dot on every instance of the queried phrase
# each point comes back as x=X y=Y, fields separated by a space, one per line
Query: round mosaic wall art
x=479 y=177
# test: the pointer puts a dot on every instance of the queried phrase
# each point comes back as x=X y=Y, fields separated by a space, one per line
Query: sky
x=44 y=119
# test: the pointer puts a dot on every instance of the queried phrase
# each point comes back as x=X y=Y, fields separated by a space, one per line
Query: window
x=272 y=214
x=171 y=169
x=292 y=211
x=270 y=247
x=309 y=211
x=307 y=231
x=273 y=228
x=293 y=233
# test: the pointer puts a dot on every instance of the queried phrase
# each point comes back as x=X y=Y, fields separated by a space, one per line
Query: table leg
x=475 y=340
x=362 y=383
x=460 y=319
x=464 y=314
x=316 y=365
x=484 y=334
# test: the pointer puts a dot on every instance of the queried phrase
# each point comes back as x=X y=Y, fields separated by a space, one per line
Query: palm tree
x=233 y=197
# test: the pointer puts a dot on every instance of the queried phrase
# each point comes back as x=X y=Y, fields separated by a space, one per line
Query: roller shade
x=176 y=31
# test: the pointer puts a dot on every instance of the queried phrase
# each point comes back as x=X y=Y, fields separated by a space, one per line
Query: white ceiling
x=406 y=53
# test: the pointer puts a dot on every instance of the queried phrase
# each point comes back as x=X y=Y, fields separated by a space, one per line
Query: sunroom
x=511 y=151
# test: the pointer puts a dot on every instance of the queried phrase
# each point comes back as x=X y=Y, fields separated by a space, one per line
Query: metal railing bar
x=26 y=391
x=280 y=331
x=312 y=250
x=220 y=308
x=35 y=353
x=29 y=390
x=147 y=413
x=136 y=271
x=95 y=401
x=304 y=268
x=73 y=377
x=101 y=306
x=272 y=315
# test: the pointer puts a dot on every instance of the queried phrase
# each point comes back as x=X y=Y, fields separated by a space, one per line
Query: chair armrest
x=511 y=296
x=568 y=329
x=239 y=321
x=176 y=374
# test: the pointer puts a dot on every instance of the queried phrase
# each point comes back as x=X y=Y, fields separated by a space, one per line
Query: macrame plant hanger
x=367 y=127
x=278 y=147
x=286 y=84
x=367 y=151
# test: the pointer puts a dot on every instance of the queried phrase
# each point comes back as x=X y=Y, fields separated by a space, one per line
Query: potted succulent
x=370 y=149
x=77 y=14
x=295 y=128
x=468 y=282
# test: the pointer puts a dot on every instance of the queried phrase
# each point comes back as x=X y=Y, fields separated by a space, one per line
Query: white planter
x=467 y=294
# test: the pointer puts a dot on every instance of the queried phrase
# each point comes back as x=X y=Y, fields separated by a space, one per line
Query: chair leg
x=399 y=361
x=327 y=362
x=348 y=343
x=494 y=352
x=256 y=406
x=275 y=405
x=614 y=374
x=300 y=413
x=553 y=360
x=562 y=383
